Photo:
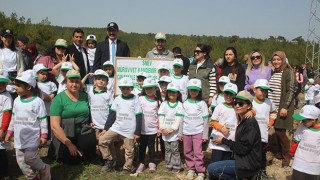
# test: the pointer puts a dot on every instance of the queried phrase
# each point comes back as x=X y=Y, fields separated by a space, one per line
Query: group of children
x=171 y=107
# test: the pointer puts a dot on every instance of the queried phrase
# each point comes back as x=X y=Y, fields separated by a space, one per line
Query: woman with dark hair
x=247 y=147
x=282 y=83
x=32 y=48
x=232 y=68
x=256 y=70
x=10 y=59
x=204 y=69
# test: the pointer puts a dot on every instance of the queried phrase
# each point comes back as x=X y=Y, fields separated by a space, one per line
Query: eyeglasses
x=61 y=47
x=197 y=51
x=255 y=57
x=239 y=103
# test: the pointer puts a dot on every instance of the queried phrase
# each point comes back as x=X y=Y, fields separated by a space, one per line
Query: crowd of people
x=66 y=98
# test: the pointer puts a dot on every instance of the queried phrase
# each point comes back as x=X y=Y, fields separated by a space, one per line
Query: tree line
x=44 y=35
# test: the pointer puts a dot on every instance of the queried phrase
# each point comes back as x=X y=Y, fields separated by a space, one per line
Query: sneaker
x=152 y=167
x=201 y=176
x=140 y=168
x=190 y=174
x=45 y=173
x=263 y=175
x=125 y=172
x=108 y=166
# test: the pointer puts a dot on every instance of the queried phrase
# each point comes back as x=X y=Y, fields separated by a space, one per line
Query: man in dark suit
x=78 y=52
x=186 y=62
x=110 y=47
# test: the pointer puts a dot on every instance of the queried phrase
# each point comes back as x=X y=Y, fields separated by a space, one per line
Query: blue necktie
x=113 y=49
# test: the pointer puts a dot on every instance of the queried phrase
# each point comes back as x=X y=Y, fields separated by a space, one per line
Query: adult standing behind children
x=160 y=50
x=232 y=68
x=256 y=70
x=22 y=46
x=186 y=62
x=204 y=70
x=282 y=84
x=79 y=53
x=110 y=47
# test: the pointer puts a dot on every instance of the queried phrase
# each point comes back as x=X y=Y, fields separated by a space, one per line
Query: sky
x=244 y=18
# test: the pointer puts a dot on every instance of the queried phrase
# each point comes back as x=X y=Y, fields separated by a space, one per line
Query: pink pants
x=192 y=149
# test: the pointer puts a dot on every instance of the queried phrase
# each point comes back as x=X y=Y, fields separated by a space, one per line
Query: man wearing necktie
x=79 y=53
x=110 y=48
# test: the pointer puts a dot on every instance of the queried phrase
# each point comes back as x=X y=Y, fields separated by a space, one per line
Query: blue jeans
x=222 y=170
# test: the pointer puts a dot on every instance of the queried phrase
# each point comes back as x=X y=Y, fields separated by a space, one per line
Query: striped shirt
x=275 y=85
x=212 y=82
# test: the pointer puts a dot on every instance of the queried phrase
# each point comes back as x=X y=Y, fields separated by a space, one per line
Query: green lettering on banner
x=126 y=69
x=146 y=63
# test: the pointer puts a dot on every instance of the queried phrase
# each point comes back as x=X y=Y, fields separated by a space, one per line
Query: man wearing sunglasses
x=160 y=50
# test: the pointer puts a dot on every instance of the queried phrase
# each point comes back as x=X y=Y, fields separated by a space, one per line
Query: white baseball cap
x=172 y=87
x=149 y=82
x=107 y=63
x=311 y=80
x=224 y=79
x=178 y=62
x=143 y=74
x=166 y=79
x=40 y=67
x=230 y=87
x=194 y=84
x=244 y=95
x=262 y=83
x=28 y=77
x=73 y=74
x=92 y=37
x=100 y=72
x=160 y=35
x=4 y=76
x=307 y=112
x=163 y=66
x=66 y=66
x=125 y=82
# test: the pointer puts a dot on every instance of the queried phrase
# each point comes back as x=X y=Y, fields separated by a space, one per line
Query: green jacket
x=287 y=100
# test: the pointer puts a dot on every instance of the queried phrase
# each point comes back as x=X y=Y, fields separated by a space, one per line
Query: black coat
x=78 y=59
x=247 y=148
x=103 y=53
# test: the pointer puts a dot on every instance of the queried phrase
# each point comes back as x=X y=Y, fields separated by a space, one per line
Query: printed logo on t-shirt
x=232 y=76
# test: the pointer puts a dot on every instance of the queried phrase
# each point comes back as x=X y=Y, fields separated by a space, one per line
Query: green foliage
x=44 y=35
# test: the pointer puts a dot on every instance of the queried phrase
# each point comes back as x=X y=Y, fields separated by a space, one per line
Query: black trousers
x=147 y=141
x=3 y=163
x=264 y=155
x=219 y=155
x=297 y=175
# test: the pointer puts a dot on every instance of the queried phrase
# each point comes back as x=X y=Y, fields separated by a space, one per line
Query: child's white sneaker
x=201 y=176
x=45 y=173
x=190 y=174
x=140 y=168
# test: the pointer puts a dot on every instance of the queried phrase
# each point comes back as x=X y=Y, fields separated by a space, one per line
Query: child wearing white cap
x=170 y=118
x=310 y=89
x=218 y=98
x=124 y=122
x=179 y=79
x=305 y=144
x=163 y=83
x=109 y=69
x=163 y=70
x=91 y=43
x=265 y=116
x=29 y=126
x=195 y=129
x=150 y=102
x=5 y=117
x=60 y=70
x=141 y=76
x=224 y=123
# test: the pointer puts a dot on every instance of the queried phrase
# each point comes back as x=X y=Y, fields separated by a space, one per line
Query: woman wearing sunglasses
x=282 y=83
x=232 y=68
x=246 y=147
x=256 y=70
x=204 y=69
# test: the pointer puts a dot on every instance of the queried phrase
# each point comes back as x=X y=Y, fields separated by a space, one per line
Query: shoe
x=108 y=166
x=125 y=172
x=201 y=176
x=140 y=168
x=45 y=173
x=190 y=174
x=263 y=175
x=152 y=167
x=169 y=168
